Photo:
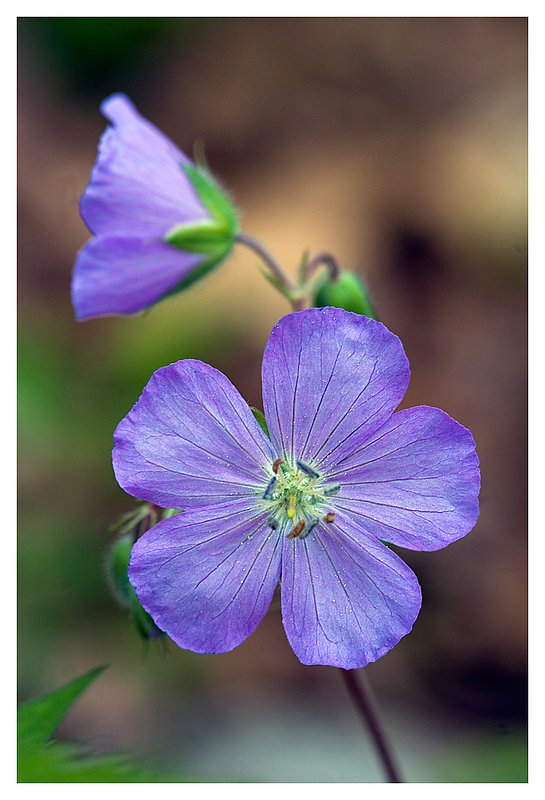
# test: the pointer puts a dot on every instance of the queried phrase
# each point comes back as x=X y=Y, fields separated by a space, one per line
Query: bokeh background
x=398 y=144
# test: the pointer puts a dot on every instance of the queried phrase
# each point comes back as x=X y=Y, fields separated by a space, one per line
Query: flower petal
x=346 y=598
x=121 y=275
x=330 y=378
x=191 y=440
x=207 y=576
x=415 y=482
x=137 y=186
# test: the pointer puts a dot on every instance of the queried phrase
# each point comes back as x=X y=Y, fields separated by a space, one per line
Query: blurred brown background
x=398 y=144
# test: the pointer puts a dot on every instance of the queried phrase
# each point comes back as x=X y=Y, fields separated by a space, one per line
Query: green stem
x=291 y=288
x=327 y=260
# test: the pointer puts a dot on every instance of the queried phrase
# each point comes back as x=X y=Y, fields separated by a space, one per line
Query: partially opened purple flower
x=158 y=221
x=309 y=507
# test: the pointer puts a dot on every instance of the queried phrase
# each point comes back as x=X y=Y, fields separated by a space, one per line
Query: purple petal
x=330 y=378
x=207 y=576
x=415 y=482
x=191 y=440
x=346 y=598
x=137 y=186
x=121 y=275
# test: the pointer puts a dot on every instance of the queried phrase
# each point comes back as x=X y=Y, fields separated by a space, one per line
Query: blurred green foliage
x=42 y=759
x=94 y=54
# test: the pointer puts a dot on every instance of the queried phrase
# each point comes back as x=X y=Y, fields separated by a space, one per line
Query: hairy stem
x=363 y=698
x=327 y=260
x=272 y=264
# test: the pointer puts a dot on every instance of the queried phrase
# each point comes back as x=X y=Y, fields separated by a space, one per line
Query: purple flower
x=309 y=507
x=158 y=221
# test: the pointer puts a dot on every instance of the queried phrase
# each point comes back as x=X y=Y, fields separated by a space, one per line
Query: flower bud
x=347 y=291
x=123 y=591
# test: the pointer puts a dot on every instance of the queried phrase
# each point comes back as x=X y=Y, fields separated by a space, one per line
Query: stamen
x=291 y=508
x=330 y=516
x=270 y=487
x=309 y=471
x=297 y=530
x=333 y=488
x=272 y=523
x=276 y=464
x=310 y=528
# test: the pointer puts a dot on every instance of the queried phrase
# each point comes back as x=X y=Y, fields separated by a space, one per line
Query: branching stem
x=292 y=290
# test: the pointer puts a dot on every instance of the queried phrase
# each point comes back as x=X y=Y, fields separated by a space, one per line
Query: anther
x=308 y=470
x=276 y=464
x=291 y=508
x=297 y=530
x=310 y=528
x=270 y=487
x=272 y=523
x=329 y=517
x=333 y=488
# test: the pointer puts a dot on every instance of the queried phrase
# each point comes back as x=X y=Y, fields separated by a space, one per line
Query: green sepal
x=348 y=292
x=213 y=237
x=261 y=421
x=202 y=237
x=122 y=589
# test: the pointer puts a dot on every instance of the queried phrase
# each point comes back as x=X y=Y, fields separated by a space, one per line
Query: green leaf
x=260 y=418
x=40 y=760
x=37 y=720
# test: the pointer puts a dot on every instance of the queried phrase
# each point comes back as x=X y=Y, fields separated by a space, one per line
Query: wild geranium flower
x=158 y=221
x=311 y=506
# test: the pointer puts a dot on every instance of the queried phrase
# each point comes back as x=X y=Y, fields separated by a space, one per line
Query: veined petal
x=122 y=275
x=330 y=378
x=138 y=186
x=191 y=440
x=415 y=482
x=207 y=576
x=346 y=598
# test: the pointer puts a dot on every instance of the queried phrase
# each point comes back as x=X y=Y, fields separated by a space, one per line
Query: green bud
x=212 y=238
x=347 y=292
x=123 y=591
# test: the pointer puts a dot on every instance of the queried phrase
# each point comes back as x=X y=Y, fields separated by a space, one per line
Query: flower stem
x=362 y=695
x=291 y=289
x=327 y=260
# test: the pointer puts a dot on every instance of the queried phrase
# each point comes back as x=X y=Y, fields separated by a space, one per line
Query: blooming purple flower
x=310 y=506
x=158 y=221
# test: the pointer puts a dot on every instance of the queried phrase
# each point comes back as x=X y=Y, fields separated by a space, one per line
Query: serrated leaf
x=37 y=720
x=260 y=419
x=40 y=760
x=60 y=762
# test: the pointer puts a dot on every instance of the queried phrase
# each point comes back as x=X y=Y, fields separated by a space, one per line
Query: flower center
x=298 y=496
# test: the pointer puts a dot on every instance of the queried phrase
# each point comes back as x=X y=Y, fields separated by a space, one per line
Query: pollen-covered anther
x=297 y=531
x=270 y=487
x=330 y=516
x=307 y=470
